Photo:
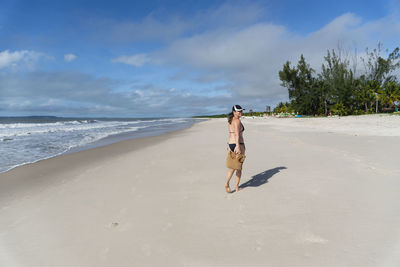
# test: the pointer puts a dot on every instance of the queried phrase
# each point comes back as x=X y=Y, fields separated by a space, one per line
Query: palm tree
x=366 y=93
x=390 y=93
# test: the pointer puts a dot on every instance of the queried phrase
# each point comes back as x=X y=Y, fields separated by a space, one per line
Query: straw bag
x=234 y=161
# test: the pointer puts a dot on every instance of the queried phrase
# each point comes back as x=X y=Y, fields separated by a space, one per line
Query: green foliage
x=337 y=90
x=358 y=112
x=389 y=93
x=283 y=108
x=252 y=113
x=378 y=68
x=256 y=113
x=339 y=109
x=303 y=88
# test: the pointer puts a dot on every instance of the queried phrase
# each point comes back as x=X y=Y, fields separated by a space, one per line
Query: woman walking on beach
x=236 y=143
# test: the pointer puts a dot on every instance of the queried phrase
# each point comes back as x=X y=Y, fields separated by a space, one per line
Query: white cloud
x=69 y=94
x=243 y=62
x=158 y=27
x=137 y=60
x=13 y=59
x=7 y=58
x=69 y=57
x=249 y=59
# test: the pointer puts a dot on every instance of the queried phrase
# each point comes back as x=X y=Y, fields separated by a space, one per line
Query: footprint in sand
x=259 y=244
x=308 y=237
x=112 y=225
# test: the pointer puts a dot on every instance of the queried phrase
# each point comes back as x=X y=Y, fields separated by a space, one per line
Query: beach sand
x=313 y=195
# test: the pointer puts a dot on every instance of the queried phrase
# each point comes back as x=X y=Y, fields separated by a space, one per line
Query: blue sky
x=171 y=58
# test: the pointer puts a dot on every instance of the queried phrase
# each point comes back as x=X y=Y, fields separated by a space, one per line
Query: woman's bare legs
x=228 y=178
x=238 y=176
x=239 y=172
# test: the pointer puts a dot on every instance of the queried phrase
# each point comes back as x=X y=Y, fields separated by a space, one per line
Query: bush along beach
x=347 y=84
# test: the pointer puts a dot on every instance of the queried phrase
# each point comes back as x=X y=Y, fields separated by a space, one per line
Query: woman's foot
x=238 y=189
x=227 y=189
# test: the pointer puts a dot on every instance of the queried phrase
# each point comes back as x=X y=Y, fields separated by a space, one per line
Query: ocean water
x=29 y=139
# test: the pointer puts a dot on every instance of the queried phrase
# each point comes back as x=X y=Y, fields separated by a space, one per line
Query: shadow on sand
x=261 y=178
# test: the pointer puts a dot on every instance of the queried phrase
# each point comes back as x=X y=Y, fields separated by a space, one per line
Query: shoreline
x=108 y=140
x=309 y=198
x=66 y=161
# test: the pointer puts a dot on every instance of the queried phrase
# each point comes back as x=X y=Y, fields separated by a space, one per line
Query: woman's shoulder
x=236 y=121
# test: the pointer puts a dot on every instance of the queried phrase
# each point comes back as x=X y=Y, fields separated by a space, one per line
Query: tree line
x=341 y=88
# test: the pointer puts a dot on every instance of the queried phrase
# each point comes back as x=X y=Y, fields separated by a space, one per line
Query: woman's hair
x=230 y=117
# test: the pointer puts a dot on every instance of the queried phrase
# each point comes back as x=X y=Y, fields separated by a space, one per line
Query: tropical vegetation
x=341 y=88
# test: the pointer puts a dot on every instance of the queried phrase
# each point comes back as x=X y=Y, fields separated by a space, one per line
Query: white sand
x=366 y=125
x=312 y=197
